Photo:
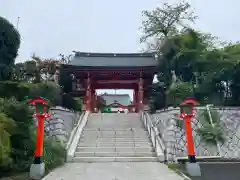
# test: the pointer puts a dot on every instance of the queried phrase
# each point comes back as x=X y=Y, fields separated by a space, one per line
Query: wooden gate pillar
x=135 y=99
x=140 y=95
x=88 y=94
x=94 y=100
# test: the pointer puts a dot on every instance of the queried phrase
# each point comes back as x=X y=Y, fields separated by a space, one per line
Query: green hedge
x=21 y=91
x=18 y=140
x=18 y=90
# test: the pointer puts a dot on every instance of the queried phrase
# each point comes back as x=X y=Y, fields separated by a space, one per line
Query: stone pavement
x=113 y=171
x=219 y=171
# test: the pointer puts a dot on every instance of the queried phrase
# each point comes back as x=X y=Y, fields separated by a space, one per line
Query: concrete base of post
x=193 y=169
x=37 y=171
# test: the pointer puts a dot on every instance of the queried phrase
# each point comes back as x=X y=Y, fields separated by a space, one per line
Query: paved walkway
x=219 y=171
x=113 y=171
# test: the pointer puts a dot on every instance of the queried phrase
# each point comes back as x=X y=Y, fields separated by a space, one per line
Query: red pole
x=40 y=139
x=189 y=140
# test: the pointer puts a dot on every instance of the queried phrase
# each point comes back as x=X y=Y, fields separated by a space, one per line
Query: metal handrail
x=153 y=132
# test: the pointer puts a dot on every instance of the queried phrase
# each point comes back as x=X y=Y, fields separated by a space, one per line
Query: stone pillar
x=140 y=94
x=88 y=94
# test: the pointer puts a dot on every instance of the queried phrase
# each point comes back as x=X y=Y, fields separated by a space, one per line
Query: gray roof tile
x=113 y=60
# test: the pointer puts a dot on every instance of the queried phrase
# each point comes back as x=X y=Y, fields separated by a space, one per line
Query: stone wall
x=61 y=123
x=174 y=137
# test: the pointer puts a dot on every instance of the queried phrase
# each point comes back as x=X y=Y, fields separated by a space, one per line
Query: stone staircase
x=114 y=137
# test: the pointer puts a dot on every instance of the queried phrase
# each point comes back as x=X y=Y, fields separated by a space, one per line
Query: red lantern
x=41 y=108
x=187 y=112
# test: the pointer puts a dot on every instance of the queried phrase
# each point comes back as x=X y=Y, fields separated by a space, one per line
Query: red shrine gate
x=91 y=71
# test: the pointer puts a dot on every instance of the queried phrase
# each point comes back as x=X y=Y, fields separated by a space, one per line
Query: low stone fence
x=174 y=136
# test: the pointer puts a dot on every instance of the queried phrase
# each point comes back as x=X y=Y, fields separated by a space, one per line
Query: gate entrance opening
x=92 y=71
x=116 y=103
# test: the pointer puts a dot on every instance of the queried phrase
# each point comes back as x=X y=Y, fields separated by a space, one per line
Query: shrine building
x=92 y=71
x=118 y=102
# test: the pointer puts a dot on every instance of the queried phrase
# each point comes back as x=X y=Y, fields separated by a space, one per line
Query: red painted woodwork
x=136 y=100
x=88 y=94
x=94 y=100
x=140 y=92
x=116 y=81
x=138 y=79
x=40 y=137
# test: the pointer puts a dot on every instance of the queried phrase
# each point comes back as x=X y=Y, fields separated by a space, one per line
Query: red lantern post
x=41 y=107
x=187 y=113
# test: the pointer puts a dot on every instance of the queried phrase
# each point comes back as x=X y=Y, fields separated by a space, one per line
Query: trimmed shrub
x=18 y=90
x=21 y=91
x=6 y=128
x=54 y=153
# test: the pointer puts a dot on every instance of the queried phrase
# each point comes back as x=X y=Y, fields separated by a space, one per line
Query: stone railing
x=155 y=137
x=173 y=134
x=75 y=137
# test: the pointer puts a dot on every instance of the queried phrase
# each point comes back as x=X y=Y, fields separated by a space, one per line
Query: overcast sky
x=50 y=27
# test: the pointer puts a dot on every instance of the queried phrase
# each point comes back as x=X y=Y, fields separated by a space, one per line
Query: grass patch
x=176 y=167
x=23 y=176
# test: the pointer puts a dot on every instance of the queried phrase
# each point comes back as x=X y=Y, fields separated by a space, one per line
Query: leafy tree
x=19 y=72
x=18 y=116
x=68 y=101
x=49 y=90
x=167 y=26
x=178 y=92
x=9 y=45
x=65 y=59
x=165 y=21
x=157 y=97
x=197 y=58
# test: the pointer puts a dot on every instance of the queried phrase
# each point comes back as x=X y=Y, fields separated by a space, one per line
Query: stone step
x=98 y=126
x=97 y=129
x=105 y=133
x=114 y=145
x=114 y=135
x=114 y=154
x=115 y=159
x=114 y=140
x=113 y=122
x=114 y=149
x=143 y=135
x=116 y=132
x=116 y=125
x=108 y=143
